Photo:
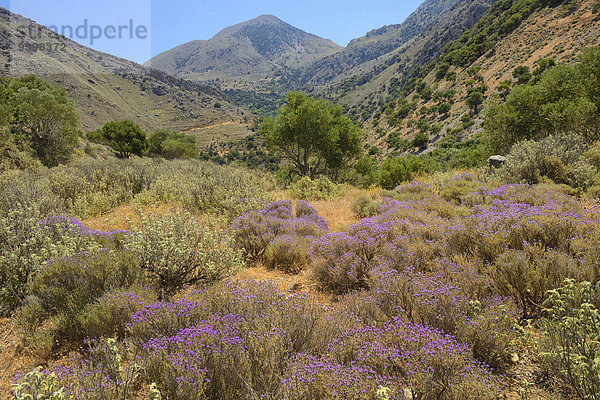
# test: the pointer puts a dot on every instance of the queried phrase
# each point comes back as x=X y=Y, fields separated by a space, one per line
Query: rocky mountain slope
x=105 y=87
x=487 y=59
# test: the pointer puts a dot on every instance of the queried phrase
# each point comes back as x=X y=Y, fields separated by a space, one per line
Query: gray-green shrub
x=570 y=345
x=175 y=250
x=318 y=189
x=63 y=287
x=27 y=242
x=559 y=158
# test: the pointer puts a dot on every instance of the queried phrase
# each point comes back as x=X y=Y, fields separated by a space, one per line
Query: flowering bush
x=430 y=364
x=288 y=253
x=65 y=286
x=110 y=314
x=279 y=227
x=27 y=242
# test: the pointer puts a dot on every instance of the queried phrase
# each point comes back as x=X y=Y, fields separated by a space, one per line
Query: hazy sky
x=140 y=29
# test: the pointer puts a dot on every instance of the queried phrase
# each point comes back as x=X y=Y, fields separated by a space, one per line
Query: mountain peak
x=266 y=18
x=251 y=50
x=261 y=21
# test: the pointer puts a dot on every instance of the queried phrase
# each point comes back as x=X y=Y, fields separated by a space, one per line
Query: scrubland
x=187 y=280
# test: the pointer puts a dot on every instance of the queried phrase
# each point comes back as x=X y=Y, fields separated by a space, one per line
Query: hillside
x=377 y=43
x=258 y=55
x=257 y=73
x=105 y=87
x=356 y=86
x=398 y=99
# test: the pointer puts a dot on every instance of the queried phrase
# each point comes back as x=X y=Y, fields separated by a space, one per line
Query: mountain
x=105 y=87
x=258 y=61
x=412 y=44
x=253 y=54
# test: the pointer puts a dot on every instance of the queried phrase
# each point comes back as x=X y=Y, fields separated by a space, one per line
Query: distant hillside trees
x=38 y=118
x=313 y=136
x=500 y=20
x=474 y=100
x=563 y=99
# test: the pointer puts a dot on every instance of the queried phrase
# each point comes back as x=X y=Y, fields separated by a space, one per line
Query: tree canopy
x=40 y=117
x=125 y=137
x=170 y=144
x=313 y=136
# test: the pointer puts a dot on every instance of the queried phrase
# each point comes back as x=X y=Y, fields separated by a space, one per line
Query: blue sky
x=159 y=25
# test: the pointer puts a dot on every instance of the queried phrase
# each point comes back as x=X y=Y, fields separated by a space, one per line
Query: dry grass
x=125 y=217
x=336 y=211
x=14 y=356
x=222 y=132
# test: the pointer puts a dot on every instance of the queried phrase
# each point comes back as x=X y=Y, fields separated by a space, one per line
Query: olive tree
x=314 y=136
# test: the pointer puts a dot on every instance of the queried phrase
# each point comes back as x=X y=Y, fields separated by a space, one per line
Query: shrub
x=364 y=206
x=28 y=242
x=89 y=187
x=27 y=190
x=342 y=261
x=65 y=286
x=557 y=157
x=439 y=367
x=109 y=370
x=38 y=385
x=457 y=190
x=288 y=253
x=175 y=251
x=570 y=346
x=553 y=223
x=207 y=187
x=320 y=377
x=319 y=189
x=254 y=231
x=421 y=139
x=528 y=274
x=237 y=345
x=444 y=299
x=110 y=314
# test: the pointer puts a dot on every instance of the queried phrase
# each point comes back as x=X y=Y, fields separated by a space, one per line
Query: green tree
x=421 y=139
x=522 y=74
x=442 y=70
x=474 y=100
x=396 y=170
x=171 y=145
x=504 y=88
x=313 y=136
x=45 y=116
x=444 y=108
x=125 y=137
